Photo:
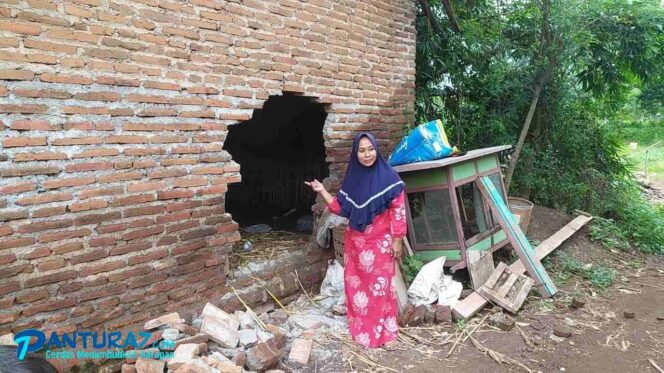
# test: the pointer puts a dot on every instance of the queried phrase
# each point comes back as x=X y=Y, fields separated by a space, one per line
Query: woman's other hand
x=397 y=248
x=316 y=186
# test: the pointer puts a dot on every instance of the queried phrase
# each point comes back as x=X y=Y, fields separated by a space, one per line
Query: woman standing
x=372 y=199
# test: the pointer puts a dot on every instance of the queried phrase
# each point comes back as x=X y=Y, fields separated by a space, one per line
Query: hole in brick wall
x=279 y=148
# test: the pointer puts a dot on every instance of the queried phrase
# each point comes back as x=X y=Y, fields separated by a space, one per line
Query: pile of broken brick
x=274 y=341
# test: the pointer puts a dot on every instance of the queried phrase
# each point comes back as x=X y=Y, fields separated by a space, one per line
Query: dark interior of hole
x=279 y=148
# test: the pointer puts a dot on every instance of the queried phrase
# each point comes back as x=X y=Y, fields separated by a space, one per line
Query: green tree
x=546 y=75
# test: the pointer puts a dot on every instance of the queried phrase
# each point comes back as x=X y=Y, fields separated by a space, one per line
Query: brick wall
x=113 y=116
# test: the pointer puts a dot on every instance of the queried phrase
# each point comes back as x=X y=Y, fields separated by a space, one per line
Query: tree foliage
x=482 y=78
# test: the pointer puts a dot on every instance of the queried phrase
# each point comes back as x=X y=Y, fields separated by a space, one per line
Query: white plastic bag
x=326 y=222
x=449 y=291
x=424 y=289
x=333 y=283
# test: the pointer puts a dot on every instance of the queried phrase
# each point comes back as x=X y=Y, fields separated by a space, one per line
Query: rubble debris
x=128 y=368
x=7 y=340
x=220 y=326
x=240 y=358
x=185 y=353
x=149 y=366
x=171 y=334
x=262 y=357
x=183 y=328
x=276 y=331
x=443 y=313
x=246 y=321
x=300 y=351
x=131 y=358
x=162 y=320
x=430 y=315
x=306 y=322
x=279 y=316
x=561 y=331
x=223 y=366
x=577 y=303
x=263 y=335
x=248 y=337
x=502 y=320
x=198 y=338
x=308 y=334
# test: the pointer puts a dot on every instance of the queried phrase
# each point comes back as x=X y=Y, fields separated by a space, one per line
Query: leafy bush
x=608 y=234
x=640 y=221
x=600 y=276
x=411 y=266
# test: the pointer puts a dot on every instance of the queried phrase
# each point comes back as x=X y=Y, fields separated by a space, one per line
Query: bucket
x=521 y=209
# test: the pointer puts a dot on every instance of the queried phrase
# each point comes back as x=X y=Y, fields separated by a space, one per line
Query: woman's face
x=366 y=153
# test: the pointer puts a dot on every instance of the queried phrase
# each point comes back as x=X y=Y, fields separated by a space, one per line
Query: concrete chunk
x=184 y=353
x=150 y=366
x=195 y=366
x=220 y=326
x=184 y=328
x=247 y=337
x=300 y=351
x=7 y=340
x=198 y=338
x=262 y=357
x=162 y=320
x=128 y=368
x=222 y=366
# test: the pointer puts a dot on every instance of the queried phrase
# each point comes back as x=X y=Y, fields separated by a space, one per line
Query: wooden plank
x=519 y=241
x=451 y=160
x=495 y=275
x=424 y=179
x=400 y=288
x=547 y=246
x=490 y=295
x=463 y=171
x=507 y=285
x=469 y=306
x=485 y=164
x=506 y=294
x=409 y=250
x=523 y=293
x=457 y=218
x=480 y=267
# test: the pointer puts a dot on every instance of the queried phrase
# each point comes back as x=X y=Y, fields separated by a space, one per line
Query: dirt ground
x=603 y=339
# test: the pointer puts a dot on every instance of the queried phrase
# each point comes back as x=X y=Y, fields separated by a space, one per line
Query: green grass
x=645 y=136
x=598 y=275
x=608 y=234
x=652 y=161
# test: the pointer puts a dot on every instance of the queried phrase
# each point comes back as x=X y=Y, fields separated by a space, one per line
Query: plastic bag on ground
x=449 y=291
x=333 y=283
x=327 y=221
x=424 y=289
x=427 y=142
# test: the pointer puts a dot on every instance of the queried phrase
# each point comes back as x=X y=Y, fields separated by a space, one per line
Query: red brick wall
x=113 y=115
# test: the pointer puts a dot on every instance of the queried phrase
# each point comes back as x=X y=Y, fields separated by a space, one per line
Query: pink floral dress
x=368 y=274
